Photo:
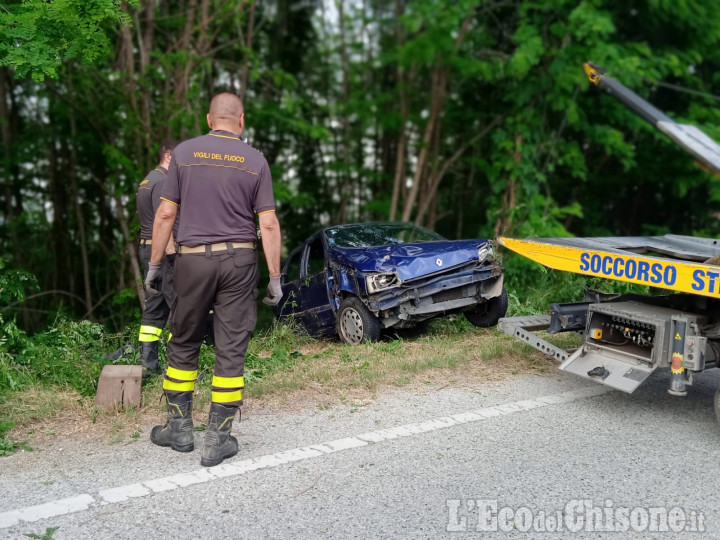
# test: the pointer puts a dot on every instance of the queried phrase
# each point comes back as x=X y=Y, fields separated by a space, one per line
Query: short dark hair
x=168 y=145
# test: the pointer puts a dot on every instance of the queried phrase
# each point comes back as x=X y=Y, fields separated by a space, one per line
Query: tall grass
x=69 y=354
x=532 y=288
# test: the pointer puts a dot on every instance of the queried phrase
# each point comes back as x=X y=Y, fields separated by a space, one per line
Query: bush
x=69 y=354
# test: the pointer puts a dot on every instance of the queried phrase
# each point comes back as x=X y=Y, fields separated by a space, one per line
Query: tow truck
x=625 y=338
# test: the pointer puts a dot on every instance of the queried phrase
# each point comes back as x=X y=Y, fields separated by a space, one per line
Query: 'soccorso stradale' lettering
x=655 y=273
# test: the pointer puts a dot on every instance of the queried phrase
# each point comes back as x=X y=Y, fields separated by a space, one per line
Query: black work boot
x=149 y=358
x=219 y=444
x=177 y=433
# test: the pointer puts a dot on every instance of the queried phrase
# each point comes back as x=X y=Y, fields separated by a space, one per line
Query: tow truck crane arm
x=705 y=150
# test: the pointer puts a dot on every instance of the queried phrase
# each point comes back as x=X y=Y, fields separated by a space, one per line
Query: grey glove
x=152 y=276
x=274 y=292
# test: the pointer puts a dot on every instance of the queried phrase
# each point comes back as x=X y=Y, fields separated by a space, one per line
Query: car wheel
x=355 y=323
x=489 y=313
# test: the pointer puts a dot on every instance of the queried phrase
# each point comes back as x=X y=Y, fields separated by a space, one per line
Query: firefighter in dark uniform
x=157 y=306
x=218 y=183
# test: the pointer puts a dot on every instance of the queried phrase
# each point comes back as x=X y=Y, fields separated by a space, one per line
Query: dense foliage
x=472 y=117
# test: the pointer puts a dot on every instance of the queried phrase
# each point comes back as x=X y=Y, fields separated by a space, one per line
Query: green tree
x=38 y=36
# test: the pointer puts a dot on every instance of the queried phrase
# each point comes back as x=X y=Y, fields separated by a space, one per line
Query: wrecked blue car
x=357 y=280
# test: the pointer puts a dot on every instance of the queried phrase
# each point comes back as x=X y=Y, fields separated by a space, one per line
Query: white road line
x=86 y=501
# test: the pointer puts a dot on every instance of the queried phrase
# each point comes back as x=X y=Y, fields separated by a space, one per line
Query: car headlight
x=379 y=282
x=485 y=251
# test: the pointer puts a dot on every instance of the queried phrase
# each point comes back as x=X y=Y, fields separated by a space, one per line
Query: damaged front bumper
x=420 y=299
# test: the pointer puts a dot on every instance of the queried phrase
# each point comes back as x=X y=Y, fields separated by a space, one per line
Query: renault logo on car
x=438 y=262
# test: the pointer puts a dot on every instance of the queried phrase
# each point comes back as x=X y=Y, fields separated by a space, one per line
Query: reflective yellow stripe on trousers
x=226 y=397
x=178 y=386
x=181 y=374
x=184 y=380
x=228 y=382
x=149 y=333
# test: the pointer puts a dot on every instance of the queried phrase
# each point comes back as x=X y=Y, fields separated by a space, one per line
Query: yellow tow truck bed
x=679 y=263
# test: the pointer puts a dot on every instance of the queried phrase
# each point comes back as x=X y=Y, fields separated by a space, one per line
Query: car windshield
x=378 y=234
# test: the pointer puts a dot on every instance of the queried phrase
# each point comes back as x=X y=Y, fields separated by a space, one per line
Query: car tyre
x=490 y=313
x=355 y=323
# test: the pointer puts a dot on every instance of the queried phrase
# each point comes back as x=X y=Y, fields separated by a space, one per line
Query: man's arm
x=170 y=248
x=162 y=229
x=156 y=201
x=271 y=241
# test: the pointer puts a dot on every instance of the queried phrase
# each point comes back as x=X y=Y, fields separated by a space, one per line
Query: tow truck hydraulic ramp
x=627 y=337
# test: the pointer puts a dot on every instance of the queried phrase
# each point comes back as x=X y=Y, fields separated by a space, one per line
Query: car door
x=317 y=315
x=290 y=283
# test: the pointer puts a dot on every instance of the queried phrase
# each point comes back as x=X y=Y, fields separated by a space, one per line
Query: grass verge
x=286 y=369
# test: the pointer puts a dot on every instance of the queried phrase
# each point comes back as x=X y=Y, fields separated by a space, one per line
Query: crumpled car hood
x=409 y=260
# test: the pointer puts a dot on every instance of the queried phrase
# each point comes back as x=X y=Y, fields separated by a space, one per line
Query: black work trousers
x=225 y=281
x=157 y=306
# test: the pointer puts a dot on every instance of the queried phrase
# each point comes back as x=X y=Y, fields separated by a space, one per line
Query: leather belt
x=220 y=246
x=146 y=241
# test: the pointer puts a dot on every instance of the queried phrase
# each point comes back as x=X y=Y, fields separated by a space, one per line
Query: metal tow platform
x=522 y=328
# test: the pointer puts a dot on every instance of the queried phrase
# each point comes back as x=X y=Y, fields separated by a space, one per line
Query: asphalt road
x=531 y=457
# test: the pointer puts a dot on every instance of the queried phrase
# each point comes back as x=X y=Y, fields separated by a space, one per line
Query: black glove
x=274 y=292
x=152 y=277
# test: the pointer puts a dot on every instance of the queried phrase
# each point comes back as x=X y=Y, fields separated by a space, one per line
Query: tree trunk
x=145 y=32
x=82 y=234
x=7 y=142
x=131 y=252
x=12 y=188
x=345 y=186
x=247 y=42
x=437 y=89
x=437 y=176
x=63 y=275
x=504 y=222
x=399 y=179
x=463 y=195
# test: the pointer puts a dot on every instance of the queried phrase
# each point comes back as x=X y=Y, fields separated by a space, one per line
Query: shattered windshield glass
x=378 y=234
